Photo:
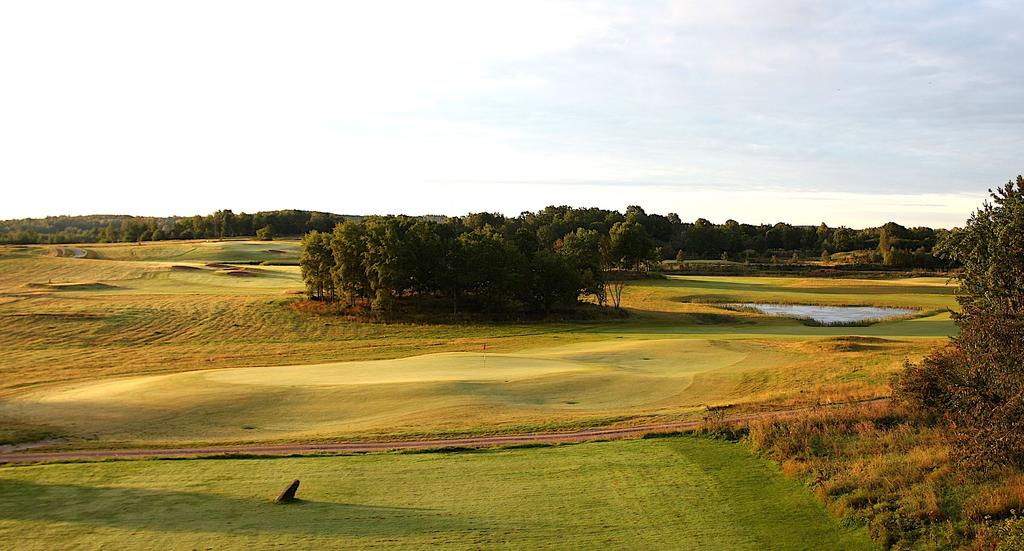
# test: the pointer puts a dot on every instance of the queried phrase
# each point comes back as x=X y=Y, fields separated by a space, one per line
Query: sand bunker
x=71 y=252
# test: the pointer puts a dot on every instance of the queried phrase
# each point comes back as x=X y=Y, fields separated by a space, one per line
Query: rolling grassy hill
x=150 y=351
x=176 y=343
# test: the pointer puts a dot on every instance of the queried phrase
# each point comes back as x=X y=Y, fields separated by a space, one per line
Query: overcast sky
x=850 y=113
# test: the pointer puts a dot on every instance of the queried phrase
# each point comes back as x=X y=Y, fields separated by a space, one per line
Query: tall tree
x=582 y=249
x=348 y=246
x=317 y=263
x=977 y=383
x=385 y=260
x=494 y=269
x=630 y=244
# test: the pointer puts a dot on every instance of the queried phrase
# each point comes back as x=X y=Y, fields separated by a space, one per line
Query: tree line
x=668 y=236
x=118 y=229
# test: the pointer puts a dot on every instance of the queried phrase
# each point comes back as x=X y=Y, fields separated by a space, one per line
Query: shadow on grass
x=179 y=511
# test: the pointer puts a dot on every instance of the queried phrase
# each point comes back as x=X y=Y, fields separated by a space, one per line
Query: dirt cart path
x=386 y=445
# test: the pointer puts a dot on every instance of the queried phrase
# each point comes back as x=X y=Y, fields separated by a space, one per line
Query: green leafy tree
x=976 y=385
x=582 y=249
x=386 y=264
x=451 y=278
x=494 y=270
x=630 y=245
x=317 y=263
x=348 y=247
x=885 y=246
x=423 y=251
x=553 y=282
x=266 y=233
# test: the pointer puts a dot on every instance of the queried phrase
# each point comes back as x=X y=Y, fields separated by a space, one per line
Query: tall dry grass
x=873 y=465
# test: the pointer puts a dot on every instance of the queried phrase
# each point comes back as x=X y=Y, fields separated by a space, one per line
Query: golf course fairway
x=182 y=344
x=680 y=493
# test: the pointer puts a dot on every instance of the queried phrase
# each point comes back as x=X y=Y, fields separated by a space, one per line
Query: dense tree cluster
x=977 y=383
x=480 y=262
x=113 y=229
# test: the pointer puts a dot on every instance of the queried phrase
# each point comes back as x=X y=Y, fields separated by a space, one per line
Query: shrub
x=1010 y=534
x=977 y=384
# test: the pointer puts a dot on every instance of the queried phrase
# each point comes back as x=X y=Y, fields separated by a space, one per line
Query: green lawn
x=678 y=493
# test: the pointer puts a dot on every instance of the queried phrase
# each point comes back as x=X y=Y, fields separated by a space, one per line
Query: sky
x=851 y=113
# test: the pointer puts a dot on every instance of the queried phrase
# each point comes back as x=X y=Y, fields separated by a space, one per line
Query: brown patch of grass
x=998 y=500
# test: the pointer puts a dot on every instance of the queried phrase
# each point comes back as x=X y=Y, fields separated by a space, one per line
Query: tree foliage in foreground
x=976 y=384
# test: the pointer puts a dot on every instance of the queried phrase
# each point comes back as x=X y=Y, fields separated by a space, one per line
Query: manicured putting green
x=445 y=391
x=678 y=493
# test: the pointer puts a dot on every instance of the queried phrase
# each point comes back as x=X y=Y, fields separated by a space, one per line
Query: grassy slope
x=151 y=317
x=672 y=493
x=200 y=251
x=674 y=355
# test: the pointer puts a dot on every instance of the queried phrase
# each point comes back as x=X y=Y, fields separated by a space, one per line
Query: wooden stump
x=288 y=495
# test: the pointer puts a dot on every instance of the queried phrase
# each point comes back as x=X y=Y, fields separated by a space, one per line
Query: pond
x=827 y=315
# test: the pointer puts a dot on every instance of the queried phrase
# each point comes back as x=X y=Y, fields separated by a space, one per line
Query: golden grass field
x=151 y=344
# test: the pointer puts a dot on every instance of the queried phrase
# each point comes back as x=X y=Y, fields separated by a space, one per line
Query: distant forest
x=668 y=236
x=102 y=228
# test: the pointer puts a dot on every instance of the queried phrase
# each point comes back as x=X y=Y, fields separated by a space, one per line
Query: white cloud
x=188 y=107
